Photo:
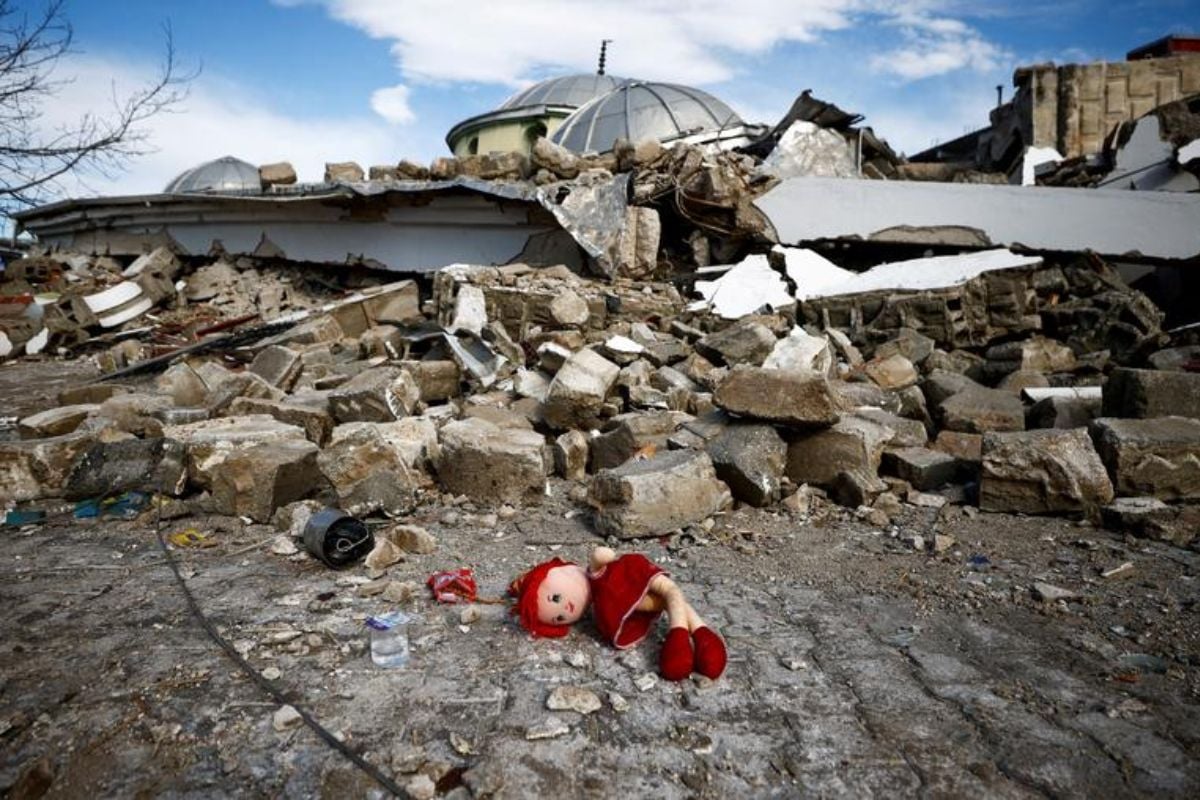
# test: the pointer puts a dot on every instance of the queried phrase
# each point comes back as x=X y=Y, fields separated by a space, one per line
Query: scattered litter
x=337 y=539
x=453 y=586
x=192 y=538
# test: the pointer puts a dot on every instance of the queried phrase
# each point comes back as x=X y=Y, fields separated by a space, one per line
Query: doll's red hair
x=525 y=589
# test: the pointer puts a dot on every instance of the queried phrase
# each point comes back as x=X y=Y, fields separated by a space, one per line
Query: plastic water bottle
x=389 y=639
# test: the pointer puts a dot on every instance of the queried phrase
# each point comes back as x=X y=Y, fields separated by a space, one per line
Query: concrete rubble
x=1015 y=382
x=688 y=335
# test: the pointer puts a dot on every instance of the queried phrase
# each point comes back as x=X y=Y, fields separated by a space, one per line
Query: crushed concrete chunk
x=578 y=390
x=1042 y=472
x=788 y=398
x=492 y=464
x=656 y=495
x=1157 y=457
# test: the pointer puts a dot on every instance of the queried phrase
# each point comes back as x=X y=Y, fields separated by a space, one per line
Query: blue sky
x=377 y=80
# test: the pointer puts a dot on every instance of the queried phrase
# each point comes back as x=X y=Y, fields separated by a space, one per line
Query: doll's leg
x=676 y=660
x=710 y=654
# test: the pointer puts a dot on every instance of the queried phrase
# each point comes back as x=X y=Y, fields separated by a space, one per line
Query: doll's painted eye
x=555 y=598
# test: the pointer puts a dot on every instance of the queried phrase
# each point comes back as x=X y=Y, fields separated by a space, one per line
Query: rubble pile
x=147 y=305
x=1016 y=384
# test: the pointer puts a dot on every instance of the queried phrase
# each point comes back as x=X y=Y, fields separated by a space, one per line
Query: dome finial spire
x=603 y=52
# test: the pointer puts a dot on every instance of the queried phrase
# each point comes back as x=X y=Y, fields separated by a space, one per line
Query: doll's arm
x=601 y=557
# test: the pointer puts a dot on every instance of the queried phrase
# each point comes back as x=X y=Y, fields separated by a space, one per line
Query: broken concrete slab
x=1144 y=393
x=647 y=497
x=981 y=410
x=905 y=432
x=367 y=472
x=209 y=442
x=801 y=351
x=277 y=365
x=35 y=468
x=492 y=464
x=798 y=399
x=627 y=435
x=55 y=421
x=571 y=455
x=1042 y=472
x=892 y=373
x=745 y=288
x=746 y=342
x=578 y=391
x=923 y=468
x=185 y=386
x=853 y=444
x=109 y=467
x=637 y=245
x=379 y=394
x=1154 y=224
x=316 y=422
x=255 y=481
x=1158 y=457
x=437 y=380
x=1151 y=518
x=749 y=458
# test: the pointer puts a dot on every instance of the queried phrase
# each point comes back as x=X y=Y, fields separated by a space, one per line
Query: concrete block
x=628 y=434
x=578 y=391
x=789 y=398
x=1042 y=472
x=257 y=480
x=490 y=464
x=1157 y=457
x=750 y=459
x=1145 y=393
x=55 y=421
x=745 y=342
x=379 y=394
x=656 y=495
x=852 y=444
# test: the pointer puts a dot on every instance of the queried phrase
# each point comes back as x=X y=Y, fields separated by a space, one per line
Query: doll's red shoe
x=710 y=653
x=676 y=660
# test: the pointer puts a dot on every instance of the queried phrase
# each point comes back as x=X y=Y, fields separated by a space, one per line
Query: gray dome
x=226 y=174
x=641 y=110
x=569 y=90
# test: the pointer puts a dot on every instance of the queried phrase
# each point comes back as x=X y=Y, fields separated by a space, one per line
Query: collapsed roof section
x=399 y=225
x=1131 y=225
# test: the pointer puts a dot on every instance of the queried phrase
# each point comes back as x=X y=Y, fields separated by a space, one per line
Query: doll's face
x=563 y=595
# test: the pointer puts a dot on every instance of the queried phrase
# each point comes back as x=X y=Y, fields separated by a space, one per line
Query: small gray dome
x=569 y=90
x=226 y=174
x=642 y=110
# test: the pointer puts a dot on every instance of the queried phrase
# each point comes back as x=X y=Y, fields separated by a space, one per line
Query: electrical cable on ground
x=256 y=676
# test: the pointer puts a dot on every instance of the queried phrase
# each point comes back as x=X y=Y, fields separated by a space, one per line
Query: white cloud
x=391 y=103
x=937 y=46
x=518 y=40
x=219 y=117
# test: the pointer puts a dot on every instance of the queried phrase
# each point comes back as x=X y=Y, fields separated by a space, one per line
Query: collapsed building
x=804 y=320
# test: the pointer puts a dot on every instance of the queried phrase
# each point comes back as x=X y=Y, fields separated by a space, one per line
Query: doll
x=626 y=595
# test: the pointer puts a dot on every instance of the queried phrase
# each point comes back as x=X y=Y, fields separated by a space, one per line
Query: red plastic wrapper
x=453 y=586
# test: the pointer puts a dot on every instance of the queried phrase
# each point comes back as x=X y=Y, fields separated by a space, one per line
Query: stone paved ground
x=859 y=667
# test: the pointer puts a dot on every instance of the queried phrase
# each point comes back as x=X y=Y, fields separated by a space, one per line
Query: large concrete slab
x=1154 y=224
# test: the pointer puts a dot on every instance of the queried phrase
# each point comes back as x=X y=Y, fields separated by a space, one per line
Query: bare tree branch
x=32 y=158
